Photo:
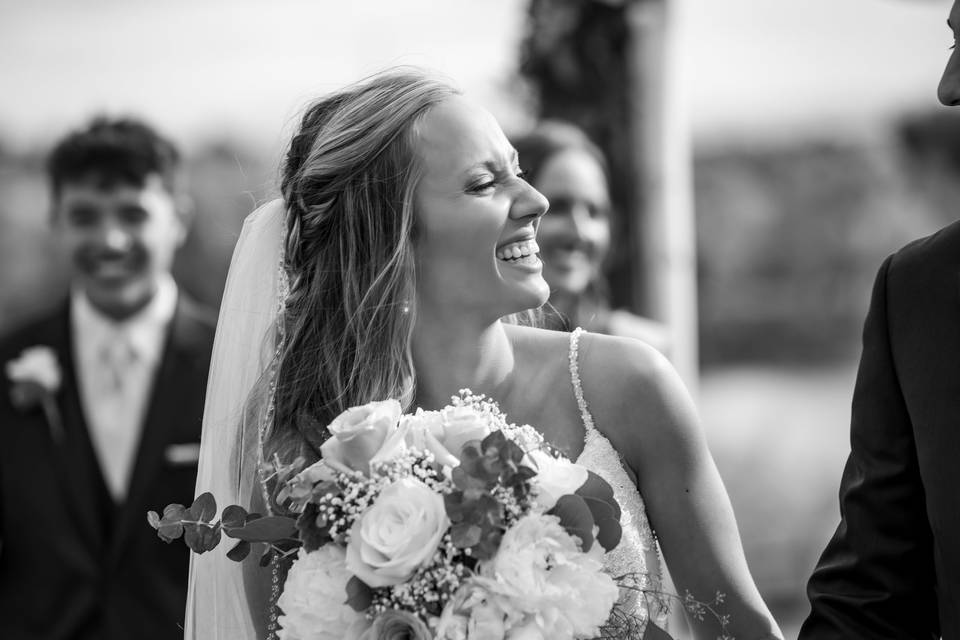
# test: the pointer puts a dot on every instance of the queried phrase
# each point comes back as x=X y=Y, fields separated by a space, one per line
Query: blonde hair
x=348 y=181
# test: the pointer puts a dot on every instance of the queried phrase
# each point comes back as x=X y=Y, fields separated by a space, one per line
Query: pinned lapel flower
x=36 y=378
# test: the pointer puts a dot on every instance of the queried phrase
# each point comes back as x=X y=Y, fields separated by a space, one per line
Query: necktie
x=117 y=434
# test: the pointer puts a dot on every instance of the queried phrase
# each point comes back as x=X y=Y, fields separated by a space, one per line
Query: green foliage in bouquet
x=200 y=533
x=478 y=517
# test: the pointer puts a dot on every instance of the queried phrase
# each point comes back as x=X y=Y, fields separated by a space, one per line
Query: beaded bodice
x=637 y=552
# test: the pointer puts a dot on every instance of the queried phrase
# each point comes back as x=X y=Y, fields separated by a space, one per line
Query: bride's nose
x=529 y=202
x=949 y=90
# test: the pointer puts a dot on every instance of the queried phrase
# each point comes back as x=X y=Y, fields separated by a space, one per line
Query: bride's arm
x=644 y=409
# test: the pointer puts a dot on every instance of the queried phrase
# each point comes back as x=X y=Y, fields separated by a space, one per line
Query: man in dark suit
x=892 y=569
x=101 y=404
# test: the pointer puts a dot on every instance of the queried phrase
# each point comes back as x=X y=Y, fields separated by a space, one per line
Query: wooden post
x=664 y=268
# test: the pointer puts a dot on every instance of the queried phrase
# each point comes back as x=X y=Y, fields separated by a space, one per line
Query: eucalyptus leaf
x=233 y=517
x=653 y=632
x=266 y=529
x=607 y=521
x=170 y=526
x=204 y=508
x=598 y=488
x=239 y=551
x=266 y=556
x=201 y=537
x=575 y=518
x=169 y=531
x=359 y=595
x=465 y=535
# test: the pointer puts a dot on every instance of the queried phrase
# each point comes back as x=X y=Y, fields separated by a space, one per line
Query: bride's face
x=476 y=217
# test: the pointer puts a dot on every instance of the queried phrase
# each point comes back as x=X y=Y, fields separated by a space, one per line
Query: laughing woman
x=409 y=234
x=563 y=164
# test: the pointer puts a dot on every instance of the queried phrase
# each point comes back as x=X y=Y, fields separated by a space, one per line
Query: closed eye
x=483 y=186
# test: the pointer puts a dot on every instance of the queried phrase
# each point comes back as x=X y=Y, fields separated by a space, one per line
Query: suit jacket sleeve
x=876 y=577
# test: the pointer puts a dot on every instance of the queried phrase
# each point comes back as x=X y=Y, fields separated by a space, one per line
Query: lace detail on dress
x=637 y=552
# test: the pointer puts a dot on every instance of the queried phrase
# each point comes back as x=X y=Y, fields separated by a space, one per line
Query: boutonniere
x=36 y=378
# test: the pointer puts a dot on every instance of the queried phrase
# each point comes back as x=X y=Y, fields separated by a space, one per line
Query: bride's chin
x=533 y=297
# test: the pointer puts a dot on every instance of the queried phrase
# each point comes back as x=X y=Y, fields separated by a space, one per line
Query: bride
x=398 y=265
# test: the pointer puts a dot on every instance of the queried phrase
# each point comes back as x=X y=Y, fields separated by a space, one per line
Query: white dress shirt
x=116 y=365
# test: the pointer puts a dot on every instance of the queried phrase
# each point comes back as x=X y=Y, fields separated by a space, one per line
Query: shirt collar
x=144 y=331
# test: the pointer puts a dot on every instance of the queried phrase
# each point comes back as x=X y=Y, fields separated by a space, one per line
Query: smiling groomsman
x=101 y=403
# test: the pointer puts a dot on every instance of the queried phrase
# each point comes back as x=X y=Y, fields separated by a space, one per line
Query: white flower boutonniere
x=36 y=378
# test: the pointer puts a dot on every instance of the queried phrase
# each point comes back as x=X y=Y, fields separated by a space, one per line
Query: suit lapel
x=163 y=410
x=74 y=459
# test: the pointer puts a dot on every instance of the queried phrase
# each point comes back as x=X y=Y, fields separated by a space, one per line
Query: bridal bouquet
x=449 y=525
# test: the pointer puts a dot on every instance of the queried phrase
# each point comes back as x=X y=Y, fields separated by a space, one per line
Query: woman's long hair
x=348 y=182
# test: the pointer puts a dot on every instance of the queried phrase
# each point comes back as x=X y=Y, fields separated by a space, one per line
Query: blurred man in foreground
x=892 y=570
x=100 y=403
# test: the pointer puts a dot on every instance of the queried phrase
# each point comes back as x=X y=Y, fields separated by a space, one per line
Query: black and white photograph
x=460 y=320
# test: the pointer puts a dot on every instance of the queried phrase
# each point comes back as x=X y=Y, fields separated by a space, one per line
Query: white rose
x=442 y=433
x=358 y=434
x=37 y=365
x=394 y=445
x=398 y=534
x=460 y=426
x=555 y=477
x=314 y=599
x=420 y=431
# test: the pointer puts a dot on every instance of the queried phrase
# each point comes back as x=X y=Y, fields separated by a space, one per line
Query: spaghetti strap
x=574 y=356
x=637 y=552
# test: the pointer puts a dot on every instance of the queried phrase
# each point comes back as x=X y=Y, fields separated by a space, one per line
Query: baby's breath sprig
x=514 y=506
x=430 y=588
x=413 y=463
x=524 y=435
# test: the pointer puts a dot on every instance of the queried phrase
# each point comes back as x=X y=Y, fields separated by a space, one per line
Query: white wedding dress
x=637 y=552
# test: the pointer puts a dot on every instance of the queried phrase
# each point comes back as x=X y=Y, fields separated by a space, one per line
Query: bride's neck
x=449 y=356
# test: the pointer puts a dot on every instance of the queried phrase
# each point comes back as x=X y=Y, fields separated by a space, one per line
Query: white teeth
x=518 y=250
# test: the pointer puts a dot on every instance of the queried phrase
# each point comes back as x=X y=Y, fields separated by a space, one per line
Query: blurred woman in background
x=563 y=164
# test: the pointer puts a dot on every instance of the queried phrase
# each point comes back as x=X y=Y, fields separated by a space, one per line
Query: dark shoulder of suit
x=923 y=310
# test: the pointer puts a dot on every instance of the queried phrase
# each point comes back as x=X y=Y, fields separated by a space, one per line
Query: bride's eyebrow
x=493 y=166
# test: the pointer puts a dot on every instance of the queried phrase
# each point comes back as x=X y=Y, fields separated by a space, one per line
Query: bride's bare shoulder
x=599 y=355
x=613 y=358
x=634 y=394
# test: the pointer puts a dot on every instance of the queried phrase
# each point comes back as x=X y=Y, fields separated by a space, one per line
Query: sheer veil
x=238 y=408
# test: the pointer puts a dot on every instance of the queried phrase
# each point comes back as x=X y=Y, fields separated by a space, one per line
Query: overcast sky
x=202 y=69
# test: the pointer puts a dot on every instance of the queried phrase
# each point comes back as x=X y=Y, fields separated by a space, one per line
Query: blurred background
x=766 y=156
